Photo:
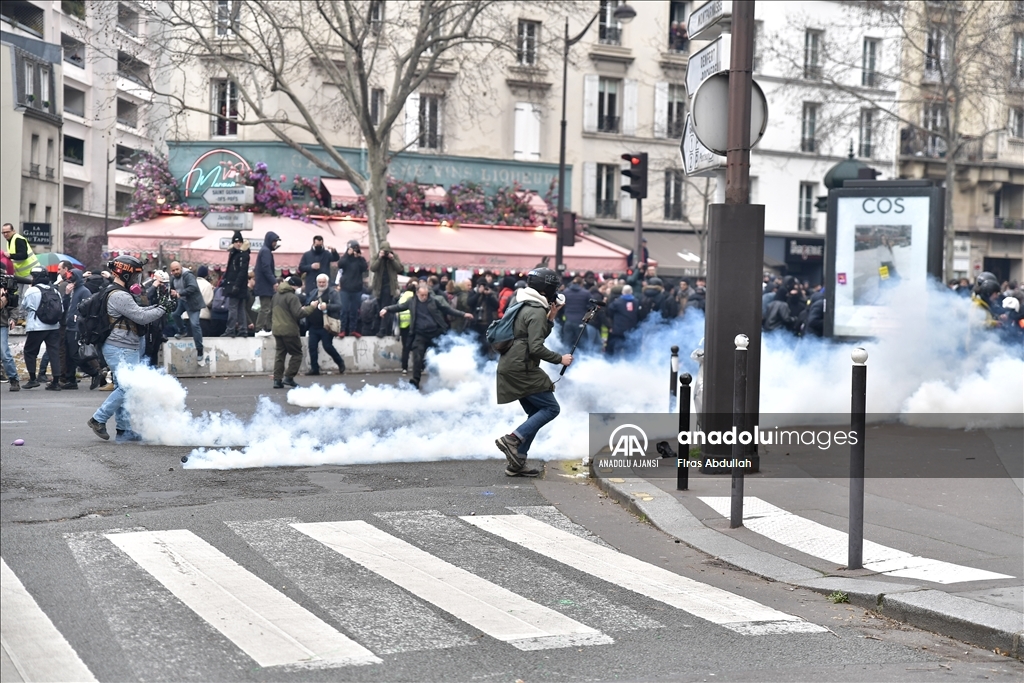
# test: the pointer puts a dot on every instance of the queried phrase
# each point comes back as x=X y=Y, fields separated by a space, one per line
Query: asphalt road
x=419 y=572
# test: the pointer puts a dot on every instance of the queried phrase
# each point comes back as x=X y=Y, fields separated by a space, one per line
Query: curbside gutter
x=971 y=621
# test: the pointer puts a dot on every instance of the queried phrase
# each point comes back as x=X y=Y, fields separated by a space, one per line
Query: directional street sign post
x=243 y=194
x=710 y=20
x=698 y=160
x=222 y=220
x=707 y=62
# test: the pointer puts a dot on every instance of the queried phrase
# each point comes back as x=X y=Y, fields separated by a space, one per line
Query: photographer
x=483 y=302
x=8 y=302
x=352 y=270
x=386 y=267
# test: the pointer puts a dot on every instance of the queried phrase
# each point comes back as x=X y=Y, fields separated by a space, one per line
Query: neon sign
x=216 y=168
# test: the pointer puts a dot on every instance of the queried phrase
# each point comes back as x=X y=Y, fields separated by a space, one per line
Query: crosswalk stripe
x=712 y=604
x=265 y=624
x=830 y=544
x=366 y=606
x=32 y=646
x=494 y=610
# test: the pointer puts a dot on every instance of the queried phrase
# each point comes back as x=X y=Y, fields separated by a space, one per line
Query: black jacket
x=483 y=305
x=266 y=275
x=434 y=306
x=624 y=313
x=577 y=301
x=236 y=277
x=333 y=299
x=325 y=258
x=778 y=316
x=353 y=270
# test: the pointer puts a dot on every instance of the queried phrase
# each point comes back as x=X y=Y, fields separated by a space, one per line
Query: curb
x=971 y=621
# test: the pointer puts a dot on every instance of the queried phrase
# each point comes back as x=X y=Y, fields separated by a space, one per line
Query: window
x=24 y=15
x=607 y=191
x=608 y=105
x=808 y=127
x=74 y=50
x=73 y=197
x=133 y=69
x=527 y=132
x=44 y=87
x=812 y=55
x=74 y=150
x=526 y=43
x=430 y=121
x=74 y=101
x=227 y=18
x=47 y=213
x=1017 y=68
x=32 y=212
x=934 y=120
x=376 y=16
x=676 y=109
x=127 y=113
x=805 y=219
x=122 y=200
x=74 y=8
x=127 y=19
x=678 y=39
x=935 y=52
x=50 y=169
x=608 y=29
x=869 y=66
x=124 y=158
x=867 y=122
x=1017 y=122
x=30 y=82
x=675 y=194
x=376 y=105
x=758 y=42
x=225 y=104
x=34 y=152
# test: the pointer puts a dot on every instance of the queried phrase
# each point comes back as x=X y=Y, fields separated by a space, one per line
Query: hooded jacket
x=188 y=290
x=386 y=268
x=288 y=311
x=266 y=275
x=325 y=258
x=624 y=313
x=236 y=277
x=435 y=306
x=519 y=372
x=71 y=301
x=353 y=270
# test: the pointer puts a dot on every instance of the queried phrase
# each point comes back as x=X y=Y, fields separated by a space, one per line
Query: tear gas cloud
x=937 y=361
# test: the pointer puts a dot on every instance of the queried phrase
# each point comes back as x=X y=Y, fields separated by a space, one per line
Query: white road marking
x=712 y=604
x=498 y=612
x=365 y=605
x=832 y=545
x=265 y=624
x=31 y=644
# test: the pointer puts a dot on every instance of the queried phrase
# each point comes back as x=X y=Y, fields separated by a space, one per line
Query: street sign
x=710 y=105
x=223 y=220
x=708 y=61
x=243 y=194
x=255 y=244
x=709 y=20
x=698 y=160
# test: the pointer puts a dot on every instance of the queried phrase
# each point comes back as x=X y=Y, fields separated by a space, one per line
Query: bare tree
x=942 y=82
x=313 y=73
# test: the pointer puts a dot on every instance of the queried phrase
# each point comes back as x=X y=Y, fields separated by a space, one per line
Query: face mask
x=318 y=250
x=135 y=289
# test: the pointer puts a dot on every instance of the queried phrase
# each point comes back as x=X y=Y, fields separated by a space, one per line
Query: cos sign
x=882 y=205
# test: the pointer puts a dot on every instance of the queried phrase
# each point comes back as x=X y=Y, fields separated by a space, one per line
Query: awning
x=335 y=193
x=676 y=253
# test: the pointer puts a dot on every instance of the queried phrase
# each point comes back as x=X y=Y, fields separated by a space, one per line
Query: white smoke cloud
x=936 y=362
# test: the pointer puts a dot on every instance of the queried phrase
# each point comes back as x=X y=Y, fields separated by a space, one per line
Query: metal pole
x=741 y=66
x=683 y=472
x=739 y=409
x=560 y=211
x=673 y=373
x=858 y=407
x=638 y=236
x=106 y=199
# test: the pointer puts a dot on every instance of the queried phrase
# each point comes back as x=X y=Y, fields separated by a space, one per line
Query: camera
x=7 y=282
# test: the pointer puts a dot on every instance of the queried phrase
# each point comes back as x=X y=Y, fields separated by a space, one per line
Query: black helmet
x=520 y=284
x=985 y=288
x=125 y=266
x=986 y=276
x=353 y=244
x=656 y=282
x=545 y=281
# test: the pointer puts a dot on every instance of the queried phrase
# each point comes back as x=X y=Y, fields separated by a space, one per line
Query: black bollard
x=739 y=409
x=673 y=374
x=858 y=408
x=683 y=471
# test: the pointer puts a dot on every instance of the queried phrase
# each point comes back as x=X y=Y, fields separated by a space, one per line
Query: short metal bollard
x=858 y=420
x=673 y=374
x=683 y=470
x=739 y=407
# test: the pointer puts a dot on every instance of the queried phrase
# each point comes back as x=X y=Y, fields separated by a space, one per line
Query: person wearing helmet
x=986 y=287
x=519 y=374
x=121 y=349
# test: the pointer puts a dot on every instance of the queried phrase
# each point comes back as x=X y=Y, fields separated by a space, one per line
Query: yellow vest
x=22 y=268
x=405 y=317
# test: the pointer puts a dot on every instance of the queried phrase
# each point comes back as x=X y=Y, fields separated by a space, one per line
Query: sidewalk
x=944 y=555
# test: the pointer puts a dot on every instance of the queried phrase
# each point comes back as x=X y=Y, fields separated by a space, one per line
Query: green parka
x=386 y=268
x=519 y=372
x=288 y=310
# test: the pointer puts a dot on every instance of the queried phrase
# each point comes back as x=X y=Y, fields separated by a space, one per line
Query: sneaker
x=52 y=386
x=532 y=472
x=31 y=384
x=415 y=383
x=405 y=371
x=278 y=384
x=127 y=436
x=509 y=445
x=178 y=335
x=99 y=429
x=290 y=382
x=264 y=333
x=98 y=380
x=200 y=359
x=43 y=377
x=357 y=335
x=71 y=386
x=15 y=385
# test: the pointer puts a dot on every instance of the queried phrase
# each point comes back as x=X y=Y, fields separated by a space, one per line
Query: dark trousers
x=420 y=344
x=540 y=408
x=406 y=335
x=72 y=358
x=616 y=344
x=319 y=336
x=350 y=311
x=291 y=346
x=265 y=319
x=238 y=321
x=33 y=342
x=387 y=323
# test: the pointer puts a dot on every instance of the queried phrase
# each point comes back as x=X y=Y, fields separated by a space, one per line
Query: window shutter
x=661 y=109
x=527 y=132
x=590 y=83
x=625 y=201
x=412 y=121
x=589 y=188
x=629 y=97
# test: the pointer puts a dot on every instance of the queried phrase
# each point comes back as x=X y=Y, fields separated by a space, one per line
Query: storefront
x=802 y=257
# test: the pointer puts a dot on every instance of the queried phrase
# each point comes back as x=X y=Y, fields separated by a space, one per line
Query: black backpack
x=93 y=321
x=50 y=310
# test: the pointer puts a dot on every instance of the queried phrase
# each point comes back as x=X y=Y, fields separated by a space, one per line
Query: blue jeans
x=540 y=408
x=350 y=302
x=5 y=352
x=117 y=359
x=193 y=319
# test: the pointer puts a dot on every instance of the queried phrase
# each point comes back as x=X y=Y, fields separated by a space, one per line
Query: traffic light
x=637 y=174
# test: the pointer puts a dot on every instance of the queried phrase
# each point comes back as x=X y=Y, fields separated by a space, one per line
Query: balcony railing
x=432 y=141
x=130 y=121
x=608 y=124
x=50 y=172
x=674 y=212
x=1016 y=224
x=808 y=145
x=610 y=35
x=805 y=224
x=33 y=170
x=675 y=128
x=607 y=208
x=678 y=41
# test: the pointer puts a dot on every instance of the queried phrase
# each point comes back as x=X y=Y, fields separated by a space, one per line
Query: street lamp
x=624 y=14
